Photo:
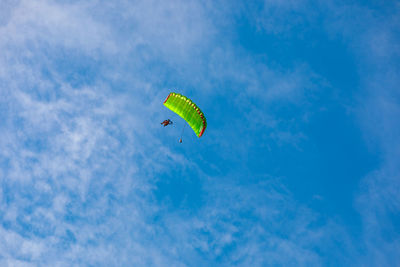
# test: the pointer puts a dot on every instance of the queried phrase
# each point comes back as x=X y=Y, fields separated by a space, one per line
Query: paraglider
x=167 y=122
x=189 y=111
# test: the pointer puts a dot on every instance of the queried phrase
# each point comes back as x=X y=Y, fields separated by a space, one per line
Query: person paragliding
x=166 y=122
x=189 y=111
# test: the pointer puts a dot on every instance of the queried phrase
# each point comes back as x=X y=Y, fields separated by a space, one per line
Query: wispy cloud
x=374 y=37
x=81 y=160
x=256 y=225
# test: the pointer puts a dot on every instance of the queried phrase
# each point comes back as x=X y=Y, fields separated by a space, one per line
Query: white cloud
x=45 y=24
x=374 y=38
x=79 y=161
x=69 y=153
x=254 y=225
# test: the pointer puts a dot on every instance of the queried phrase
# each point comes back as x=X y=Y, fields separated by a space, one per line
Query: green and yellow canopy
x=188 y=110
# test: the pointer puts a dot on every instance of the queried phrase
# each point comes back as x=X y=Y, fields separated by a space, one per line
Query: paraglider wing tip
x=167 y=98
x=202 y=129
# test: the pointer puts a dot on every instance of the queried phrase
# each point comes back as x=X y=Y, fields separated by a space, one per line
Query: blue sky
x=299 y=165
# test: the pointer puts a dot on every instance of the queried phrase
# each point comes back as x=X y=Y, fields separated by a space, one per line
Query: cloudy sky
x=299 y=165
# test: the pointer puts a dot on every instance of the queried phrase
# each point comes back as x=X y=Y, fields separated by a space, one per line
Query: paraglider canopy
x=188 y=110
